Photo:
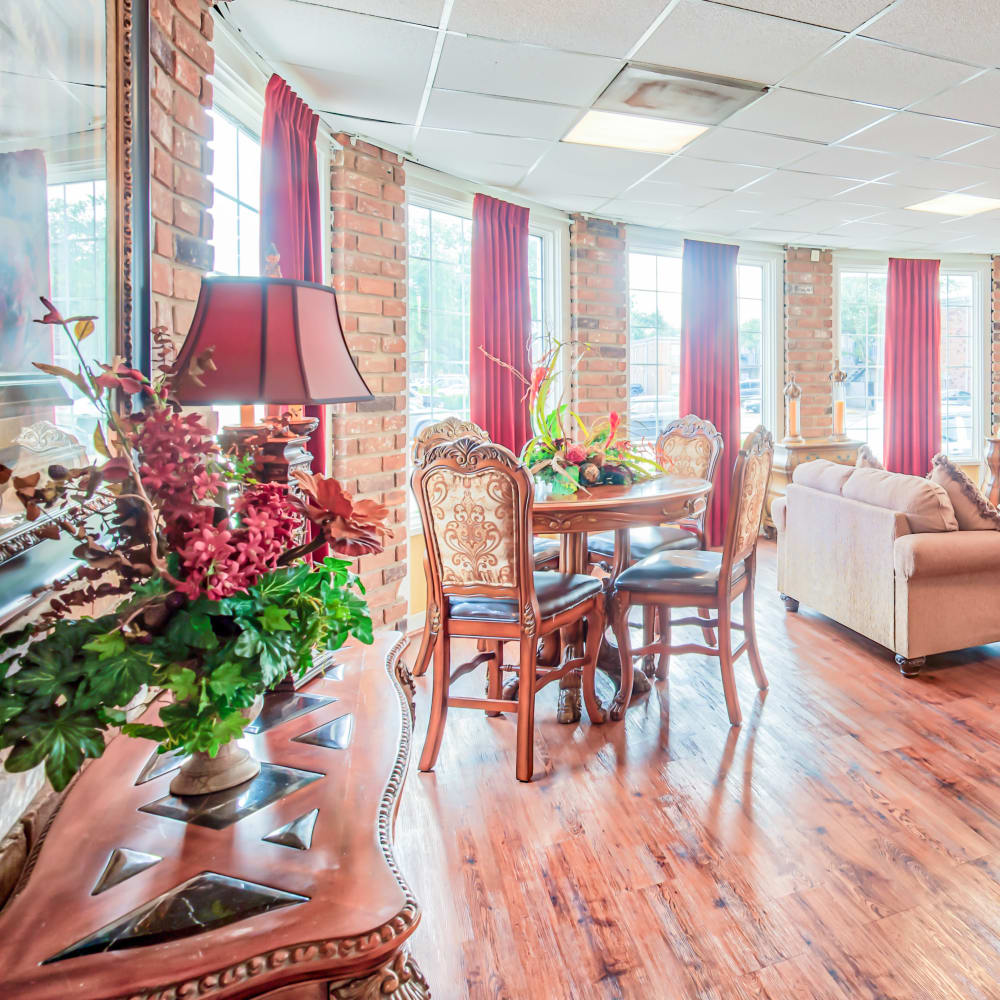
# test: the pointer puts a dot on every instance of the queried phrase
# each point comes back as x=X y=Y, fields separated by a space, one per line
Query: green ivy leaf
x=108 y=645
x=275 y=619
x=226 y=678
x=193 y=630
x=248 y=644
x=62 y=744
x=184 y=683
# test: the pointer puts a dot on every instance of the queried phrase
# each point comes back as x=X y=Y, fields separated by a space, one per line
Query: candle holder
x=793 y=395
x=838 y=382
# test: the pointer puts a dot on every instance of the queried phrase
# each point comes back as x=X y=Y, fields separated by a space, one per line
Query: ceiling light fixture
x=957 y=204
x=647 y=135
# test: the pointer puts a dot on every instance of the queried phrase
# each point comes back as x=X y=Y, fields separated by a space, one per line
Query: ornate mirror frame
x=27 y=567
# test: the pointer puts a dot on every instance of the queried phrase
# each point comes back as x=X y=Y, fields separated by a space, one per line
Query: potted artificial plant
x=217 y=600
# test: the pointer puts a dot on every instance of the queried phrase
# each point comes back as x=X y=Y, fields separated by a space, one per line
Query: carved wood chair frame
x=471 y=457
x=742 y=533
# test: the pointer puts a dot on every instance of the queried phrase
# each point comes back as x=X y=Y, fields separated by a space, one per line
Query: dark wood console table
x=285 y=887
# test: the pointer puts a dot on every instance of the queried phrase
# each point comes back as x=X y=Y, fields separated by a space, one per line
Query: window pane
x=225 y=234
x=224 y=162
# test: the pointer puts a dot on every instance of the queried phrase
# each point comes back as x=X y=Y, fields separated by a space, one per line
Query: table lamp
x=276 y=341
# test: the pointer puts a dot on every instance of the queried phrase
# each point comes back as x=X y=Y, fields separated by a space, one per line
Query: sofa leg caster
x=791 y=604
x=910 y=667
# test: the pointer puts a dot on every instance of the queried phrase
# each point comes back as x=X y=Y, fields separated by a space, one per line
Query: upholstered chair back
x=751 y=474
x=475 y=501
x=449 y=429
x=690 y=447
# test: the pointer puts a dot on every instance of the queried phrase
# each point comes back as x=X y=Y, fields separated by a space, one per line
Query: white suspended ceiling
x=873 y=105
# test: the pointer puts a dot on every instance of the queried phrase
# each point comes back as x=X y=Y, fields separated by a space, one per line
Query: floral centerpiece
x=217 y=600
x=570 y=454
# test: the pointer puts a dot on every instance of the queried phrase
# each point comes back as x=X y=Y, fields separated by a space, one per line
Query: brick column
x=180 y=161
x=808 y=337
x=598 y=306
x=367 y=203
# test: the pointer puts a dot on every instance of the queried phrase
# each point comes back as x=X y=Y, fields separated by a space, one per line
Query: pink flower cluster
x=221 y=560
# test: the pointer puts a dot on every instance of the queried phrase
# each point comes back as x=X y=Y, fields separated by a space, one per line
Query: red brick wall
x=181 y=57
x=598 y=277
x=368 y=244
x=808 y=335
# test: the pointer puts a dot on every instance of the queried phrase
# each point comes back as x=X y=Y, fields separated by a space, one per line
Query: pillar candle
x=247 y=416
x=793 y=418
x=839 y=412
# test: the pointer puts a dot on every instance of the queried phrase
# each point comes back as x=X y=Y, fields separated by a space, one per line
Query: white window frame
x=980 y=267
x=668 y=243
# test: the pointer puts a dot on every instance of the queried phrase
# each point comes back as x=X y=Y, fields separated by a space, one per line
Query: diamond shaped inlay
x=334 y=673
x=160 y=763
x=221 y=809
x=336 y=734
x=297 y=834
x=122 y=864
x=202 y=903
x=280 y=706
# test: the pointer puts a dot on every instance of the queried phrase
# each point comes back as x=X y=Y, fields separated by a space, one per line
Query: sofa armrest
x=779 y=514
x=946 y=553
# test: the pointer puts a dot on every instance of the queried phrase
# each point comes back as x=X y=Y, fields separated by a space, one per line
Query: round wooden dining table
x=608 y=508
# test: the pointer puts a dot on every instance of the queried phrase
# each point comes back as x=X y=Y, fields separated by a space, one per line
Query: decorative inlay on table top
x=335 y=735
x=207 y=901
x=297 y=834
x=334 y=673
x=122 y=864
x=280 y=706
x=159 y=763
x=221 y=809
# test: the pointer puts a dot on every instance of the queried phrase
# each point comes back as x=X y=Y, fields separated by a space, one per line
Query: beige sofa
x=884 y=555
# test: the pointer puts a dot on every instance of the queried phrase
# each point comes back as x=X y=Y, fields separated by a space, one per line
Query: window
x=654 y=342
x=750 y=316
x=236 y=208
x=861 y=299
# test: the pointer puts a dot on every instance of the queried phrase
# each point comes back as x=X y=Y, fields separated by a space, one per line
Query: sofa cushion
x=961 y=554
x=925 y=504
x=820 y=474
x=972 y=510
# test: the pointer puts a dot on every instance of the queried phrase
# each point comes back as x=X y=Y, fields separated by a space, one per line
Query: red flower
x=351 y=527
x=118 y=376
x=614 y=419
x=576 y=454
x=538 y=376
x=52 y=317
x=205 y=483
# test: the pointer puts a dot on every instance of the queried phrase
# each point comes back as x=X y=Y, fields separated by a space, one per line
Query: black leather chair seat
x=676 y=573
x=546 y=550
x=644 y=542
x=556 y=592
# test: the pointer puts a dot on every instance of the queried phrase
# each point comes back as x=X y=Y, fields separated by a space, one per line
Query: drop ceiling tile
x=842 y=161
x=905 y=217
x=342 y=62
x=845 y=15
x=975 y=101
x=918 y=135
x=439 y=147
x=456 y=109
x=889 y=195
x=876 y=230
x=958 y=29
x=583 y=26
x=644 y=213
x=386 y=134
x=591 y=170
x=821 y=215
x=768 y=234
x=567 y=203
x=942 y=175
x=690 y=195
x=728 y=41
x=734 y=145
x=797 y=115
x=866 y=70
x=987 y=189
x=982 y=154
x=506 y=69
x=708 y=173
x=415 y=11
x=711 y=220
x=762 y=204
x=802 y=184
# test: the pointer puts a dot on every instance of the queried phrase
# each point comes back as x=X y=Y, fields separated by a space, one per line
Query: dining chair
x=706 y=579
x=688 y=446
x=546 y=550
x=476 y=500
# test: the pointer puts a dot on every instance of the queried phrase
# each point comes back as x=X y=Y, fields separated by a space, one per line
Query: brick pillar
x=809 y=335
x=599 y=316
x=180 y=160
x=367 y=202
x=994 y=345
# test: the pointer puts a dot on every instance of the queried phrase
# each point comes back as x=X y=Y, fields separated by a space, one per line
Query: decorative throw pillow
x=867 y=459
x=973 y=511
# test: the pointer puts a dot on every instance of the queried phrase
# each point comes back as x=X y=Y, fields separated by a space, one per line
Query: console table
x=285 y=887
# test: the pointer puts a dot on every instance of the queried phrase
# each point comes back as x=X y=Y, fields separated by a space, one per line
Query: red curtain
x=710 y=359
x=912 y=365
x=290 y=215
x=500 y=321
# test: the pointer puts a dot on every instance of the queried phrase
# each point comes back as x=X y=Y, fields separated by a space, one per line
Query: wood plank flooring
x=843 y=844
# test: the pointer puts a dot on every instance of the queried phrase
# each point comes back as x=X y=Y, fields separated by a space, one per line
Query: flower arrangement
x=219 y=601
x=569 y=454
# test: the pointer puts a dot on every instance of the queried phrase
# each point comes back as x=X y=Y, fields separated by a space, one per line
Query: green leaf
x=108 y=645
x=143 y=731
x=275 y=619
x=249 y=644
x=184 y=683
x=226 y=678
x=62 y=744
x=193 y=630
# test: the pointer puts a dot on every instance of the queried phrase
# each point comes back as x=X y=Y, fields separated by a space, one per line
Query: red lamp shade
x=276 y=341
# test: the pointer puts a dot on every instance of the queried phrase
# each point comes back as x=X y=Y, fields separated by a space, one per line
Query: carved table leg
x=572 y=559
x=399 y=979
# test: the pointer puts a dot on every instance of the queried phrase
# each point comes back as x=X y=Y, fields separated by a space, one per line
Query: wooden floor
x=843 y=843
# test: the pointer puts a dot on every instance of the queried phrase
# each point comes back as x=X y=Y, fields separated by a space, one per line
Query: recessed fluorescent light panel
x=677 y=94
x=957 y=204
x=647 y=135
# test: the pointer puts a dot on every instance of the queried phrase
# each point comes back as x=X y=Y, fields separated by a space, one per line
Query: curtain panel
x=710 y=359
x=500 y=321
x=912 y=433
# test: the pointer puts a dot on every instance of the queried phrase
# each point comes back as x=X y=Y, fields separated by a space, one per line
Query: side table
x=285 y=887
x=788 y=456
